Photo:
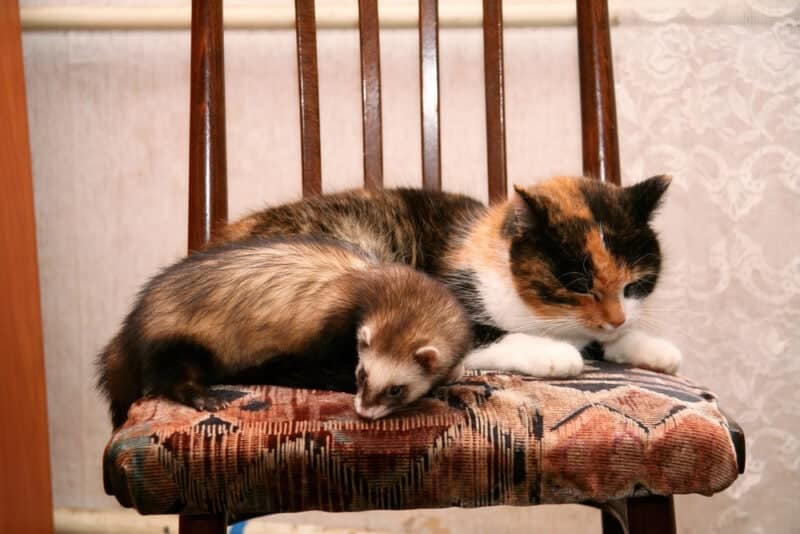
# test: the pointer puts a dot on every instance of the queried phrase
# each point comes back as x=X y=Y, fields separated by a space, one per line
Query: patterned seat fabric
x=490 y=439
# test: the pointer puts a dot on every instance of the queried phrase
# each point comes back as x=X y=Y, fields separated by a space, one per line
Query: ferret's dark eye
x=395 y=391
x=361 y=377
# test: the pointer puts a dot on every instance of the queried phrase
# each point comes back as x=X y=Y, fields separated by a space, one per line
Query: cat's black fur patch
x=463 y=284
x=561 y=247
x=485 y=334
x=623 y=214
x=592 y=351
x=433 y=215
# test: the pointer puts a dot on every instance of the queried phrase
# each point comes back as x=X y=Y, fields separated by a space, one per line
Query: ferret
x=300 y=311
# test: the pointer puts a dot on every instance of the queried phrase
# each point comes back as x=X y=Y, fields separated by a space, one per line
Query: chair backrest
x=207 y=165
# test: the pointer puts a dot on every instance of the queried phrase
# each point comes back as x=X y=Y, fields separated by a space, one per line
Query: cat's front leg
x=640 y=349
x=530 y=355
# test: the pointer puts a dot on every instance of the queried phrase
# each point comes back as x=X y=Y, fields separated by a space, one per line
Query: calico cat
x=563 y=263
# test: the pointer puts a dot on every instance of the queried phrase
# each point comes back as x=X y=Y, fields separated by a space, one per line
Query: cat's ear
x=529 y=210
x=645 y=197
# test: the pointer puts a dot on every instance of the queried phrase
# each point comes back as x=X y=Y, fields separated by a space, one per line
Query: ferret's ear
x=426 y=357
x=456 y=373
x=364 y=336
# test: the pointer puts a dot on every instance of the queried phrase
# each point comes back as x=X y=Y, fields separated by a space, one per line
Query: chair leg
x=615 y=517
x=202 y=524
x=651 y=515
x=611 y=524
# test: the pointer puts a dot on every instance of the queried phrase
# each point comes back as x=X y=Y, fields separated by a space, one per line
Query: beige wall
x=715 y=104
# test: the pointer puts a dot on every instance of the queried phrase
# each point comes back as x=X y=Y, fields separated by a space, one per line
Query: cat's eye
x=636 y=290
x=395 y=391
x=629 y=290
x=641 y=287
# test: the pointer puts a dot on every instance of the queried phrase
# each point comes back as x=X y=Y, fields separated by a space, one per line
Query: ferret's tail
x=119 y=379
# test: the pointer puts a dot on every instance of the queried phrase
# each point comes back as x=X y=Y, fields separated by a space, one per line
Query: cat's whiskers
x=655 y=323
x=545 y=326
x=660 y=312
x=587 y=275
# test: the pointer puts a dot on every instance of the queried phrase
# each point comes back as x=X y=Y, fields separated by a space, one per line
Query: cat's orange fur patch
x=563 y=191
x=486 y=242
x=609 y=279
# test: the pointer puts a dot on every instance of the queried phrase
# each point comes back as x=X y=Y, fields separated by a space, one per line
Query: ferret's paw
x=530 y=355
x=643 y=350
x=208 y=403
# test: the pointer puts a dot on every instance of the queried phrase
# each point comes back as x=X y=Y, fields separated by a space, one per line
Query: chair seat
x=490 y=439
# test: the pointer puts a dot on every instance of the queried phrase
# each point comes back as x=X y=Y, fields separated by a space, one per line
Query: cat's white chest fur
x=503 y=304
x=524 y=349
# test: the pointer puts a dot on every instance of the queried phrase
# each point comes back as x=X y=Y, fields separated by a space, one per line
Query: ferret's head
x=412 y=336
x=392 y=377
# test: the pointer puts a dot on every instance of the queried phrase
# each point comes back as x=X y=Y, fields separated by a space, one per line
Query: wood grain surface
x=25 y=492
x=598 y=108
x=208 y=189
x=429 y=93
x=308 y=81
x=495 y=99
x=369 y=35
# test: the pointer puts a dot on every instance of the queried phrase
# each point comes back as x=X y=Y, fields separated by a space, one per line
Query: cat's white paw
x=530 y=355
x=643 y=350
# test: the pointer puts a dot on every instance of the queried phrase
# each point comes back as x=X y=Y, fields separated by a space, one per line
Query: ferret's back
x=232 y=296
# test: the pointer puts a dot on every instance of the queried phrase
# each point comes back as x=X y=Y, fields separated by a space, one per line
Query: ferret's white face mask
x=388 y=382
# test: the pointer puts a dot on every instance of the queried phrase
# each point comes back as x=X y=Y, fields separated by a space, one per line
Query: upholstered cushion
x=490 y=439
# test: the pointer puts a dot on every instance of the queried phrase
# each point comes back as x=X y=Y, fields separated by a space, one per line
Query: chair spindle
x=369 y=35
x=208 y=194
x=598 y=108
x=495 y=99
x=308 y=80
x=429 y=94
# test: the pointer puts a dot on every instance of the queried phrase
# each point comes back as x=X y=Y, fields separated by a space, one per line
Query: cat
x=562 y=264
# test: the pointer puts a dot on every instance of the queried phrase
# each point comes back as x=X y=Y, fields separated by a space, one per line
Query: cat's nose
x=614 y=322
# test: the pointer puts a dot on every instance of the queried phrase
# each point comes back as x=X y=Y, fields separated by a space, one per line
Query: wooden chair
x=207 y=176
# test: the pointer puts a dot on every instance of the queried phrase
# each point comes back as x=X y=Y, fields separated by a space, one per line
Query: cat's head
x=583 y=254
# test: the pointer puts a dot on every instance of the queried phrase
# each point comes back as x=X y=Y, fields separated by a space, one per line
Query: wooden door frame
x=25 y=490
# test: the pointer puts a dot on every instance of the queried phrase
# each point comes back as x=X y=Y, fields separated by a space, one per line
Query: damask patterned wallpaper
x=707 y=91
x=711 y=93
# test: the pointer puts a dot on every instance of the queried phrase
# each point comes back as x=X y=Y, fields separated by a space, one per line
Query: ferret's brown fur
x=288 y=312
